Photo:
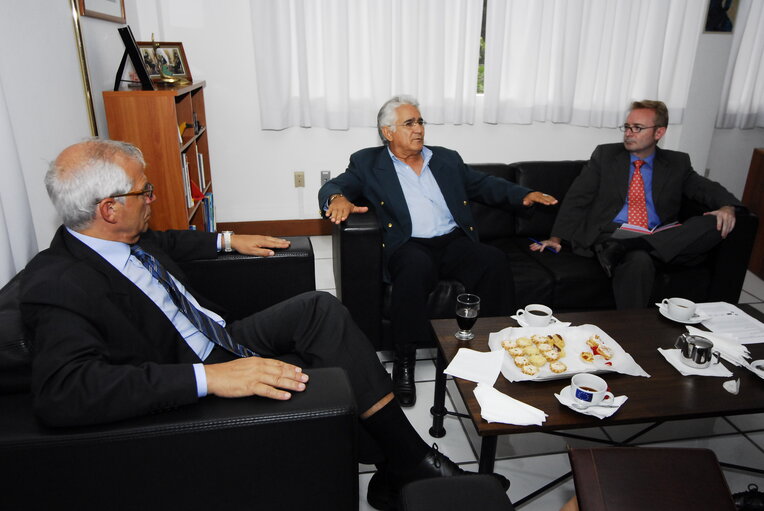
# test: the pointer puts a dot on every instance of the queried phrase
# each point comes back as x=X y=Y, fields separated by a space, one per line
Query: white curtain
x=332 y=63
x=742 y=104
x=17 y=236
x=584 y=61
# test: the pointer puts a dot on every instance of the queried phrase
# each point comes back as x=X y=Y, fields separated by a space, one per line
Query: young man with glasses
x=638 y=183
x=422 y=197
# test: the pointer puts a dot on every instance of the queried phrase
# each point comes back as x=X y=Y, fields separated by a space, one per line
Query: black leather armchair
x=565 y=281
x=248 y=453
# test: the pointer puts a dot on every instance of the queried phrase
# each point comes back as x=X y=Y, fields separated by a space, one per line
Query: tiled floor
x=535 y=459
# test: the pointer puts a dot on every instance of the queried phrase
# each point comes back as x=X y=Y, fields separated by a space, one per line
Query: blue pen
x=537 y=242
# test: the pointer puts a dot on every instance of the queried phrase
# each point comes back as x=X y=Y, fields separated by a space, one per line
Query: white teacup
x=589 y=390
x=535 y=314
x=679 y=308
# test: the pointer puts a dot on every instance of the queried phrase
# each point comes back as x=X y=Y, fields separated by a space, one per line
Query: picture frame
x=109 y=10
x=168 y=54
x=131 y=52
x=720 y=15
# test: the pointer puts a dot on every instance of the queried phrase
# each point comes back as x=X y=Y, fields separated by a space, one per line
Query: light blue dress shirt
x=429 y=213
x=653 y=220
x=118 y=255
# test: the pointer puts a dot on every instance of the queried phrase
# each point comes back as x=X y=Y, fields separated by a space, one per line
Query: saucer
x=567 y=393
x=694 y=320
x=521 y=321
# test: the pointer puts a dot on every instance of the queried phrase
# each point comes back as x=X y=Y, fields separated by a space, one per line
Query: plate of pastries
x=548 y=353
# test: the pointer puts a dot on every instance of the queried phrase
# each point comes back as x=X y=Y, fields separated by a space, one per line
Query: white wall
x=40 y=75
x=253 y=168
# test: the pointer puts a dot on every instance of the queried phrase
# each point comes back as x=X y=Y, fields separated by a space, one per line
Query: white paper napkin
x=600 y=412
x=477 y=366
x=674 y=358
x=496 y=406
x=555 y=322
x=730 y=349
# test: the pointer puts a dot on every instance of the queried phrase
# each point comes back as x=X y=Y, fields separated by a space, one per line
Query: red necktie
x=637 y=204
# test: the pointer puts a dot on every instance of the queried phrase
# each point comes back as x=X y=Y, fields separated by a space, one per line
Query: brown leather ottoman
x=639 y=478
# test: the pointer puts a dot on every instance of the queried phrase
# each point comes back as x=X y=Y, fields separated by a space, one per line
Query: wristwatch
x=227 y=241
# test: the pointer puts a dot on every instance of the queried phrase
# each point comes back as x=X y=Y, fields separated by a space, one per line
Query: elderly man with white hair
x=422 y=196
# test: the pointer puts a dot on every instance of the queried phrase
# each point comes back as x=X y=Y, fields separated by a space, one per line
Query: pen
x=537 y=242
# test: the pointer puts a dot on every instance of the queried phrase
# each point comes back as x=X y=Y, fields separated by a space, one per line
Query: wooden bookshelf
x=150 y=120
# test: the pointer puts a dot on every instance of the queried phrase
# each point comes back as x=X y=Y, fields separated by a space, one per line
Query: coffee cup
x=590 y=390
x=535 y=314
x=679 y=308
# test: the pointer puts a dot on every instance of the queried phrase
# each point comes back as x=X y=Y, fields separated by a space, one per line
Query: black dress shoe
x=609 y=254
x=404 y=387
x=386 y=484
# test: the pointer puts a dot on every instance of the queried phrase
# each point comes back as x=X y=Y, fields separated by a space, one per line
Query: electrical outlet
x=299 y=179
x=325 y=176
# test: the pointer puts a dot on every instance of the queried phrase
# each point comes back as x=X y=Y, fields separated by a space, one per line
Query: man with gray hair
x=422 y=197
x=116 y=332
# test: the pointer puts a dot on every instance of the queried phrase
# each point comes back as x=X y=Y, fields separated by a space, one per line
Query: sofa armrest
x=731 y=259
x=357 y=249
x=249 y=453
x=245 y=284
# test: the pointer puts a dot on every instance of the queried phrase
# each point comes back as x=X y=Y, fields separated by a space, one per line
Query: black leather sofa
x=251 y=453
x=565 y=282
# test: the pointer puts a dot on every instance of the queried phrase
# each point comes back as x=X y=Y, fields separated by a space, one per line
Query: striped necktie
x=211 y=329
x=637 y=203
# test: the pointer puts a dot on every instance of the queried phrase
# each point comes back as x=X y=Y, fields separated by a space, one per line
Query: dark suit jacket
x=102 y=349
x=371 y=176
x=600 y=191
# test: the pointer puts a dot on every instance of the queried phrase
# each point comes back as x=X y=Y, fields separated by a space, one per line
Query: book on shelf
x=631 y=231
x=186 y=181
x=200 y=168
x=208 y=205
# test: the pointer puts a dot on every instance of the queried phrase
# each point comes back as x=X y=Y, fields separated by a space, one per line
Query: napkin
x=477 y=366
x=600 y=412
x=674 y=358
x=554 y=322
x=496 y=406
x=730 y=349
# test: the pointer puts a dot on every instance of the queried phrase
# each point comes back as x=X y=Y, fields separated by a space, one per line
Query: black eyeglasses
x=148 y=192
x=411 y=122
x=635 y=129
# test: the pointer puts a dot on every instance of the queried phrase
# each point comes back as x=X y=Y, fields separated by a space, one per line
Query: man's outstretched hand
x=539 y=198
x=255 y=376
x=340 y=209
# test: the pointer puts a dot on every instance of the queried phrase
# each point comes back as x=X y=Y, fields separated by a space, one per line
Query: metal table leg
x=438 y=409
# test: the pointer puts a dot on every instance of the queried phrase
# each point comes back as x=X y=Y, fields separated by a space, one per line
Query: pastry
x=537 y=360
x=544 y=346
x=587 y=356
x=593 y=341
x=521 y=361
x=557 y=340
x=523 y=342
x=507 y=345
x=516 y=351
x=531 y=350
x=530 y=370
x=558 y=367
x=551 y=355
x=605 y=351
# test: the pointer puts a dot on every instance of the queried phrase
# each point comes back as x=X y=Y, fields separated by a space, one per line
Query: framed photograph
x=166 y=57
x=138 y=69
x=721 y=15
x=110 y=10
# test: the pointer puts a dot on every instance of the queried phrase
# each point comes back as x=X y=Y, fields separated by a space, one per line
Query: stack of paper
x=730 y=350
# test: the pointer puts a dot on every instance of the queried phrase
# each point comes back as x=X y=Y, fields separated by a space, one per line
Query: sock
x=638 y=243
x=402 y=445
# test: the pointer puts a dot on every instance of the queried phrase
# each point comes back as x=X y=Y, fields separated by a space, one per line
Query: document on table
x=727 y=319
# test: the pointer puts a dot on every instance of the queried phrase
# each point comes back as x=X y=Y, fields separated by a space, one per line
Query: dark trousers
x=418 y=264
x=684 y=245
x=314 y=330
